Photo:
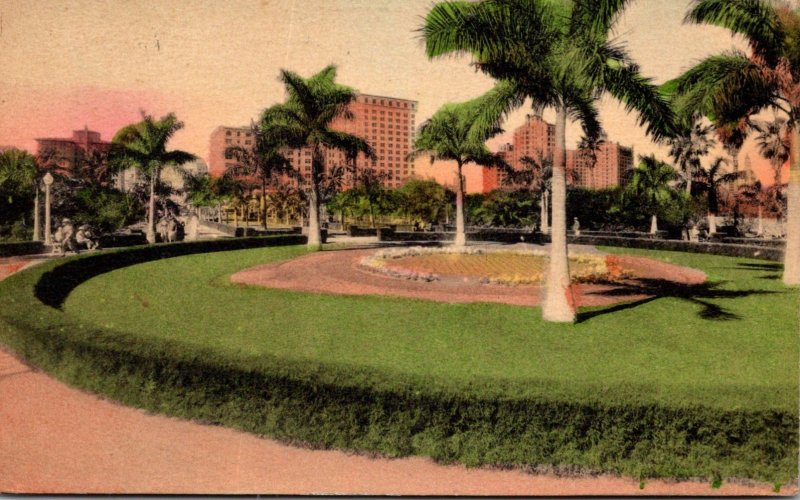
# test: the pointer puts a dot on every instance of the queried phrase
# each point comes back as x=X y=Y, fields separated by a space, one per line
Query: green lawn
x=741 y=354
x=700 y=383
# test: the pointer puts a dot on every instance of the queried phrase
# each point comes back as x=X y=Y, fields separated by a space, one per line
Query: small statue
x=694 y=233
x=192 y=228
x=85 y=237
x=68 y=237
x=162 y=228
x=576 y=226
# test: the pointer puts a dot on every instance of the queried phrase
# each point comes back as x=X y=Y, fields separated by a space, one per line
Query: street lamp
x=48 y=181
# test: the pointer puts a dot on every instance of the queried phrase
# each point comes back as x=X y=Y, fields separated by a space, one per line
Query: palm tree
x=143 y=145
x=450 y=135
x=688 y=149
x=535 y=176
x=735 y=85
x=773 y=144
x=304 y=120
x=263 y=161
x=650 y=187
x=756 y=194
x=710 y=180
x=559 y=55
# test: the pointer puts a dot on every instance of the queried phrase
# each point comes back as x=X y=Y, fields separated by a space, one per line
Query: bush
x=368 y=409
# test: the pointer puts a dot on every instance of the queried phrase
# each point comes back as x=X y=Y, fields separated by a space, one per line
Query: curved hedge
x=359 y=408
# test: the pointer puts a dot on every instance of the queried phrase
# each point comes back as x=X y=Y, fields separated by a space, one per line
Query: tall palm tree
x=735 y=85
x=304 y=121
x=18 y=176
x=450 y=134
x=559 y=55
x=143 y=145
x=264 y=161
x=535 y=176
x=774 y=145
x=755 y=193
x=710 y=180
x=651 y=187
x=688 y=149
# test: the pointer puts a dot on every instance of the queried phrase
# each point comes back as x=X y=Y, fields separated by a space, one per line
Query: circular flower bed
x=517 y=265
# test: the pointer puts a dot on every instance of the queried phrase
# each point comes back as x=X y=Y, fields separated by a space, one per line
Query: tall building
x=222 y=139
x=613 y=166
x=536 y=139
x=386 y=123
x=69 y=151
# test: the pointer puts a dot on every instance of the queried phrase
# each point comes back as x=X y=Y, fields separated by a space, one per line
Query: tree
x=559 y=55
x=451 y=134
x=651 y=187
x=304 y=120
x=143 y=146
x=773 y=144
x=535 y=176
x=735 y=85
x=689 y=148
x=263 y=161
x=710 y=180
x=423 y=201
x=18 y=176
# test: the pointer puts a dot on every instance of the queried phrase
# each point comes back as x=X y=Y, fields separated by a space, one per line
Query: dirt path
x=56 y=439
x=339 y=272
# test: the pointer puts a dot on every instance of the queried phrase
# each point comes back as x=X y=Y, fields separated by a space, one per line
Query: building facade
x=386 y=123
x=613 y=165
x=70 y=151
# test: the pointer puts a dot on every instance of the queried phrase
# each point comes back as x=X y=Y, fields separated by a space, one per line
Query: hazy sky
x=67 y=64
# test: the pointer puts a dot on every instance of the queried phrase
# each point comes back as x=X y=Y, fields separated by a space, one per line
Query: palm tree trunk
x=461 y=236
x=314 y=233
x=264 y=203
x=545 y=224
x=559 y=304
x=151 y=213
x=791 y=261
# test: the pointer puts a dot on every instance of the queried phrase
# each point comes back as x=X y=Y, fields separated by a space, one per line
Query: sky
x=97 y=63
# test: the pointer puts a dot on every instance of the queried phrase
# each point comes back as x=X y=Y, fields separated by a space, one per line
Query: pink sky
x=98 y=62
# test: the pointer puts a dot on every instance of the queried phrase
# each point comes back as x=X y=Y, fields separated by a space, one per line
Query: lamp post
x=37 y=230
x=48 y=181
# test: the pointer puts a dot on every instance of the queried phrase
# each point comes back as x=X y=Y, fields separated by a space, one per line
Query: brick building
x=386 y=123
x=612 y=168
x=536 y=139
x=69 y=151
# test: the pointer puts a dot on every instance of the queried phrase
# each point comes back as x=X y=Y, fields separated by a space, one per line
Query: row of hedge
x=708 y=247
x=500 y=235
x=758 y=250
x=357 y=408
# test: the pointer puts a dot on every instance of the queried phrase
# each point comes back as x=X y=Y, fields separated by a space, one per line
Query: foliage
x=690 y=396
x=501 y=208
x=18 y=170
x=424 y=201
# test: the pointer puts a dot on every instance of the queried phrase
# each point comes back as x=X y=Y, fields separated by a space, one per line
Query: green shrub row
x=355 y=408
x=21 y=248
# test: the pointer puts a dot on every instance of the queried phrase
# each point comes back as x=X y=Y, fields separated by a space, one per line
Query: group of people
x=66 y=237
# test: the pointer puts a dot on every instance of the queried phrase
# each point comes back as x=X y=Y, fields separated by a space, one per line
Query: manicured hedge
x=359 y=408
x=709 y=247
x=474 y=234
x=21 y=248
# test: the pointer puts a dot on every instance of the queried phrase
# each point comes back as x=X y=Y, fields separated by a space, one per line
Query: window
x=248 y=142
x=228 y=153
x=227 y=132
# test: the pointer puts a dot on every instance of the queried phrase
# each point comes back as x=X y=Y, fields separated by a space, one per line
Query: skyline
x=216 y=65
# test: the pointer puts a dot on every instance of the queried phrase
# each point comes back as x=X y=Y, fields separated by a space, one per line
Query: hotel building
x=69 y=151
x=536 y=139
x=386 y=123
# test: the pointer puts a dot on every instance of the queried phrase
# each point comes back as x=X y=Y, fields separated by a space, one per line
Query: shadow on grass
x=698 y=294
x=747 y=266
